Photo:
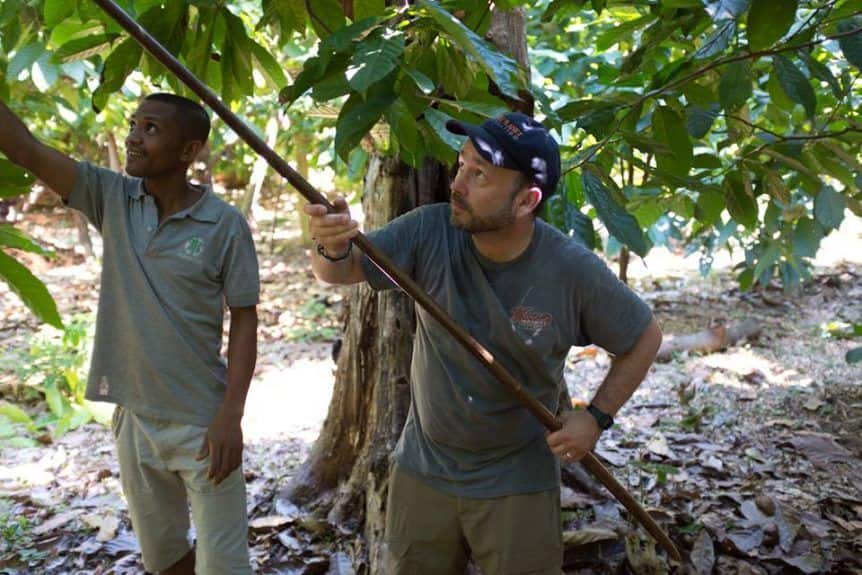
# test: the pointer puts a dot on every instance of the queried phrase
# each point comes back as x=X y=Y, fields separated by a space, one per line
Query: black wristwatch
x=603 y=419
x=322 y=251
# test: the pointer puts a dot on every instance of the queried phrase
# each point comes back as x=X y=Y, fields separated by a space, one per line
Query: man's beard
x=474 y=224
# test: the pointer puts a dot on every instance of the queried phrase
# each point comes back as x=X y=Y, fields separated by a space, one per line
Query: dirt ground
x=750 y=457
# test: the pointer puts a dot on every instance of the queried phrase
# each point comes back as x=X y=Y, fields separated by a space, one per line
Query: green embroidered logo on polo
x=193 y=247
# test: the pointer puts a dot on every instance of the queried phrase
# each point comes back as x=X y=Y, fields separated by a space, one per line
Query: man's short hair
x=193 y=117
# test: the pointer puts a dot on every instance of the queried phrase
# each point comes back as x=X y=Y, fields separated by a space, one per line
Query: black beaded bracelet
x=322 y=251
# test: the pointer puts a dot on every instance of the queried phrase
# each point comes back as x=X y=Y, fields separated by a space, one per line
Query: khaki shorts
x=429 y=532
x=161 y=478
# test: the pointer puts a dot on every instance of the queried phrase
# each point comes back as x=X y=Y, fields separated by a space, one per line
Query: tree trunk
x=346 y=475
x=258 y=172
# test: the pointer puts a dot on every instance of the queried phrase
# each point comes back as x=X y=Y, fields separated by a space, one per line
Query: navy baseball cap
x=518 y=142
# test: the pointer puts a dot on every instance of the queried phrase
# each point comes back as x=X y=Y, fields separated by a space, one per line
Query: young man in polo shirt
x=174 y=256
x=475 y=472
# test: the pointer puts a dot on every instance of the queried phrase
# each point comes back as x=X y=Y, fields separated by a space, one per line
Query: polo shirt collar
x=206 y=209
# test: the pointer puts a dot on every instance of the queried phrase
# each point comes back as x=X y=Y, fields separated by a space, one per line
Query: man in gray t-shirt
x=474 y=471
x=174 y=256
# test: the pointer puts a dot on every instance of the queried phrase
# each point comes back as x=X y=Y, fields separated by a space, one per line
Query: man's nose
x=459 y=184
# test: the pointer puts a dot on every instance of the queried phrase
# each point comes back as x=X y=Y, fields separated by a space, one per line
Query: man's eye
x=151 y=129
x=481 y=176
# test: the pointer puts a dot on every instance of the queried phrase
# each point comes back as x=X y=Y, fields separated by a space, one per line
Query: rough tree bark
x=346 y=475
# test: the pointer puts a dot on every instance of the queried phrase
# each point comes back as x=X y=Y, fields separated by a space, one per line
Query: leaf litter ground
x=750 y=457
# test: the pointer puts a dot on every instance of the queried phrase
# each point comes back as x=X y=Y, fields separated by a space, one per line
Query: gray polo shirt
x=162 y=297
x=466 y=434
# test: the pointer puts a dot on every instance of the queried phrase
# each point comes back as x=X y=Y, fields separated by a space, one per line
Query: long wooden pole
x=383 y=262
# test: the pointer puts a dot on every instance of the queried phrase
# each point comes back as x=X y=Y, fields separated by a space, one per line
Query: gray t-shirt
x=466 y=434
x=163 y=291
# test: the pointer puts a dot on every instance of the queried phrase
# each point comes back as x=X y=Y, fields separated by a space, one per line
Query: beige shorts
x=429 y=532
x=161 y=479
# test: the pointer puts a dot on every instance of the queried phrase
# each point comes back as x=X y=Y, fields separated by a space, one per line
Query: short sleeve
x=240 y=273
x=398 y=240
x=611 y=316
x=88 y=192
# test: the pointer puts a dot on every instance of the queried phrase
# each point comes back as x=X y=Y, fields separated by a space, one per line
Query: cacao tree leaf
x=829 y=208
x=795 y=84
x=735 y=86
x=11 y=237
x=851 y=46
x=30 y=289
x=618 y=221
x=376 y=56
x=768 y=21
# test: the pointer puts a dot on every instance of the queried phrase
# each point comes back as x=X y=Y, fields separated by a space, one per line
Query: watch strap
x=604 y=420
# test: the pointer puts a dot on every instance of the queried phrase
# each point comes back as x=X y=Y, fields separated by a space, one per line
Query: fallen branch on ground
x=712 y=339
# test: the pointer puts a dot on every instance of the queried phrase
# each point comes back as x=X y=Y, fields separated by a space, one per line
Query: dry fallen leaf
x=820 y=448
x=703 y=554
x=587 y=535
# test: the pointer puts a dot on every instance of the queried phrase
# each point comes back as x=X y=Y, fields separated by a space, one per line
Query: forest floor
x=750 y=457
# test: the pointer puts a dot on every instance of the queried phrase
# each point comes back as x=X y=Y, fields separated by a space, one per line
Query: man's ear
x=530 y=200
x=191 y=149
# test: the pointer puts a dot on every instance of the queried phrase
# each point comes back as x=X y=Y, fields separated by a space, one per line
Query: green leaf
x=365 y=8
x=699 y=121
x=795 y=84
x=14 y=175
x=854 y=355
x=119 y=64
x=669 y=129
x=454 y=71
x=739 y=203
x=316 y=70
x=598 y=122
x=16 y=415
x=11 y=237
x=619 y=222
x=292 y=15
x=32 y=292
x=326 y=16
x=423 y=82
x=624 y=30
x=268 y=65
x=375 y=58
x=768 y=21
x=500 y=68
x=682 y=3
x=767 y=260
x=238 y=52
x=357 y=117
x=14 y=181
x=405 y=129
x=821 y=72
x=829 y=208
x=437 y=120
x=563 y=215
x=706 y=162
x=55 y=11
x=710 y=204
x=806 y=238
x=851 y=46
x=735 y=86
x=82 y=48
